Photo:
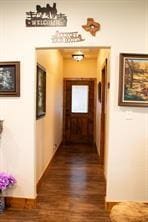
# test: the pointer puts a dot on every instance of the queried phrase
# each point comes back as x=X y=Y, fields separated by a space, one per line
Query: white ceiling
x=89 y=53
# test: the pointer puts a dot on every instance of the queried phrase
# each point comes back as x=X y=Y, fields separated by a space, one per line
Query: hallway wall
x=49 y=128
x=86 y=68
x=102 y=56
x=124 y=29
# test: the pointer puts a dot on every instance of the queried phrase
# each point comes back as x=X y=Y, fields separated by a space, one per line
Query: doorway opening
x=66 y=81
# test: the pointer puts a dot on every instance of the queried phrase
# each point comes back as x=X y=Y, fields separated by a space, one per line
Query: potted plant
x=6 y=181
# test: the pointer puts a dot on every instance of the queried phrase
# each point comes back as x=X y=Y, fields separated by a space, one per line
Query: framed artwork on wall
x=40 y=92
x=9 y=79
x=133 y=80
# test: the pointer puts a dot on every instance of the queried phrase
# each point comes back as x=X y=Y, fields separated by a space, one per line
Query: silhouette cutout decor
x=66 y=37
x=91 y=26
x=46 y=17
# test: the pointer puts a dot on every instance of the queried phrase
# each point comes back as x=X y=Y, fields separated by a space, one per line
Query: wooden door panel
x=79 y=130
x=78 y=127
x=103 y=112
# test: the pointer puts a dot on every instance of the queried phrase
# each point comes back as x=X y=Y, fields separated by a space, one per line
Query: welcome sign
x=46 y=17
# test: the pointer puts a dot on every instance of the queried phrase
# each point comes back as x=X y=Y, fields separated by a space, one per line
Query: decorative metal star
x=91 y=26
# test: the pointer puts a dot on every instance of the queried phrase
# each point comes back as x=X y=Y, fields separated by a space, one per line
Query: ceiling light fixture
x=78 y=56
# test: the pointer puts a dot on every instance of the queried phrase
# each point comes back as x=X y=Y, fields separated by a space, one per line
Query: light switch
x=129 y=115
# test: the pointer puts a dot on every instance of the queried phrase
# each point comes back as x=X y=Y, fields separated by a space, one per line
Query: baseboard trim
x=46 y=170
x=23 y=203
x=109 y=205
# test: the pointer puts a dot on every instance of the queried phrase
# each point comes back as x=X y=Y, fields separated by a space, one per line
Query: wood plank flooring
x=73 y=190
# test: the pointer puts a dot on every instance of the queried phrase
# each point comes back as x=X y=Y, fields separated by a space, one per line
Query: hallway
x=73 y=190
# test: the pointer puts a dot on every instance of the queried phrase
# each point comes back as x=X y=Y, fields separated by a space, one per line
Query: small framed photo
x=133 y=80
x=9 y=79
x=40 y=92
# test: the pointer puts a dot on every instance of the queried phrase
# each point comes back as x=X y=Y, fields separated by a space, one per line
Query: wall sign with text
x=66 y=37
x=47 y=16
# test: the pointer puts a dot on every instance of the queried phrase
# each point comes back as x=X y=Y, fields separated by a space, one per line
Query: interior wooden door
x=78 y=121
x=103 y=111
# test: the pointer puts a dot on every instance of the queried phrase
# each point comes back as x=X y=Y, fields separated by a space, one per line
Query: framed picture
x=133 y=81
x=9 y=78
x=99 y=91
x=40 y=92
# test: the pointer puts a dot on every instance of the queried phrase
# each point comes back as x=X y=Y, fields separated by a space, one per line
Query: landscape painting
x=133 y=83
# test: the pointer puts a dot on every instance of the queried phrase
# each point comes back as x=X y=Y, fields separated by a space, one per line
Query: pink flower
x=6 y=180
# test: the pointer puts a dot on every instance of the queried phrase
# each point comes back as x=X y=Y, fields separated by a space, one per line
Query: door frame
x=64 y=102
x=102 y=136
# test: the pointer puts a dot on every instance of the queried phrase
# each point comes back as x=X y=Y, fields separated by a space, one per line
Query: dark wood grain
x=103 y=111
x=73 y=190
x=78 y=127
x=20 y=202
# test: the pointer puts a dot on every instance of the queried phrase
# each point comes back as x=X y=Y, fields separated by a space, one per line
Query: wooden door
x=78 y=125
x=103 y=111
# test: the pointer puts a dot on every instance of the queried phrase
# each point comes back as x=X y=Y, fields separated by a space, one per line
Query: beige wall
x=86 y=68
x=49 y=128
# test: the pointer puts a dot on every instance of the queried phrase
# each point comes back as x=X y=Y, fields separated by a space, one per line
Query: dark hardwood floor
x=73 y=190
